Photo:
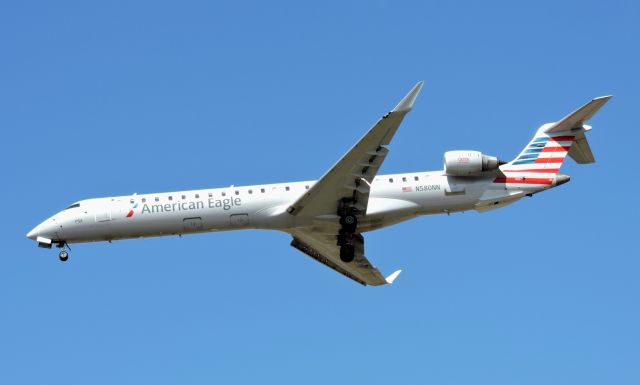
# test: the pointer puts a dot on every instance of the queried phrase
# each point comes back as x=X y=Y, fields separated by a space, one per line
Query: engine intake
x=469 y=163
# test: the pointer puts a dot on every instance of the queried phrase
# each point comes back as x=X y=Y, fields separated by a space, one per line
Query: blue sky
x=100 y=99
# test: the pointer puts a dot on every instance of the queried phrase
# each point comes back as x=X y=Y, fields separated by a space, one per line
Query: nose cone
x=47 y=229
x=33 y=234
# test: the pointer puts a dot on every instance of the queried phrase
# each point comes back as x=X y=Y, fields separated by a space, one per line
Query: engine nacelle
x=469 y=163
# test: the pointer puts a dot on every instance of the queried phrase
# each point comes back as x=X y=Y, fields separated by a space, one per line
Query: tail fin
x=549 y=147
x=544 y=154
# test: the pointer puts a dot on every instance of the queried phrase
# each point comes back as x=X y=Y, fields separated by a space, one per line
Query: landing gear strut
x=63 y=255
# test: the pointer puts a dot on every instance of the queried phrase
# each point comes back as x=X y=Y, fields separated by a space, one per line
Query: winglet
x=407 y=102
x=392 y=277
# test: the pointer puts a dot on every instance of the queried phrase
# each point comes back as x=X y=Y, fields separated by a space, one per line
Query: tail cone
x=562 y=179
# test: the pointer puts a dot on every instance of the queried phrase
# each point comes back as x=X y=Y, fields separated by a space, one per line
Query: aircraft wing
x=352 y=175
x=323 y=248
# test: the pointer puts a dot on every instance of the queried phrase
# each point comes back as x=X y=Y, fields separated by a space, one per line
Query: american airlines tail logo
x=130 y=213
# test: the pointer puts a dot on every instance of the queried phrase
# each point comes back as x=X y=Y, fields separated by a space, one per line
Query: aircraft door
x=103 y=215
x=238 y=220
x=117 y=210
x=110 y=211
x=192 y=224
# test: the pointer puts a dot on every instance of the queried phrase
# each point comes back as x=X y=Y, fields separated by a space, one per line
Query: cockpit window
x=73 y=206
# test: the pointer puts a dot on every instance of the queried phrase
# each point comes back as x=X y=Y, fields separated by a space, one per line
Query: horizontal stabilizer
x=577 y=118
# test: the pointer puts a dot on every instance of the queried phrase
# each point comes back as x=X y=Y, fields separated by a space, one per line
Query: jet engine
x=469 y=163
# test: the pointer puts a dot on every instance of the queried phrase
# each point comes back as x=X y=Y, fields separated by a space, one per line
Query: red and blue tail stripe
x=539 y=161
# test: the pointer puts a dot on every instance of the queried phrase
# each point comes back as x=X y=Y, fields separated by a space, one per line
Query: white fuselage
x=393 y=198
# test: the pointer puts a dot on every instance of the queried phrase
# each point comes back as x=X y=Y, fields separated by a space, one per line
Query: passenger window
x=390 y=180
x=415 y=178
x=157 y=199
x=224 y=194
x=237 y=192
x=197 y=196
x=144 y=200
x=287 y=188
x=131 y=201
x=262 y=190
x=404 y=179
x=184 y=197
x=250 y=191
x=306 y=187
x=210 y=195
x=170 y=198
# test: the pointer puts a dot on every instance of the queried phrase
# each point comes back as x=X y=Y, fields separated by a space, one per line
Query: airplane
x=327 y=218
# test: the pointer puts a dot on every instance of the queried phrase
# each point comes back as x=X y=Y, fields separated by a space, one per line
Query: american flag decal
x=406 y=189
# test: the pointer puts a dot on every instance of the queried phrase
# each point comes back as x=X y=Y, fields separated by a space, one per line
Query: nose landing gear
x=63 y=255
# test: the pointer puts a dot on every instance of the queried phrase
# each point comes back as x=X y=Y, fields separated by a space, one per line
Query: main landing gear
x=349 y=223
x=347 y=252
x=347 y=236
x=63 y=255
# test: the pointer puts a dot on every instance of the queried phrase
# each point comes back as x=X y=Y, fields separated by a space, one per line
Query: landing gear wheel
x=63 y=255
x=344 y=238
x=347 y=253
x=349 y=222
x=350 y=219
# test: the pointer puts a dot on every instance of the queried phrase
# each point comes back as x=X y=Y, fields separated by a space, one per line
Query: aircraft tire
x=349 y=222
x=347 y=253
x=63 y=256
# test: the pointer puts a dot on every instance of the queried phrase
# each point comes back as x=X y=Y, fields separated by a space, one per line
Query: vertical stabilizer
x=580 y=151
x=546 y=152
